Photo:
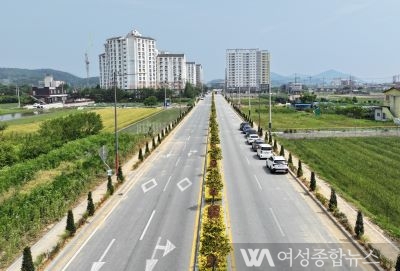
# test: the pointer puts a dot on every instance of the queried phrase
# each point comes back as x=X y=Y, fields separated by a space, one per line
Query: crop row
x=365 y=170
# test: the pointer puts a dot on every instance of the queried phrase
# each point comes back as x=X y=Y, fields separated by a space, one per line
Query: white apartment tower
x=129 y=61
x=191 y=73
x=199 y=75
x=248 y=69
x=171 y=70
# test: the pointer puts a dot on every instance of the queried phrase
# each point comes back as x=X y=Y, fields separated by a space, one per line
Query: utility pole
x=249 y=104
x=115 y=124
x=19 y=100
x=270 y=107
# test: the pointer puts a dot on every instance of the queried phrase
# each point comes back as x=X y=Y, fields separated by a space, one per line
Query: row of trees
x=214 y=244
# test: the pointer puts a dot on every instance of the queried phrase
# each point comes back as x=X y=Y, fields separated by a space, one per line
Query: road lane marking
x=177 y=161
x=147 y=186
x=277 y=222
x=247 y=159
x=147 y=226
x=181 y=185
x=107 y=249
x=258 y=182
x=165 y=187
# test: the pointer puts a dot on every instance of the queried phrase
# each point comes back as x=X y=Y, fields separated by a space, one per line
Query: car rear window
x=280 y=162
x=266 y=148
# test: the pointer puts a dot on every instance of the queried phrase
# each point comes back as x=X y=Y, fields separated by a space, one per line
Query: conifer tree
x=275 y=147
x=110 y=186
x=299 y=170
x=27 y=262
x=313 y=182
x=359 y=228
x=90 y=206
x=140 y=154
x=397 y=267
x=147 y=150
x=120 y=175
x=290 y=160
x=159 y=139
x=282 y=152
x=154 y=143
x=332 y=201
x=71 y=228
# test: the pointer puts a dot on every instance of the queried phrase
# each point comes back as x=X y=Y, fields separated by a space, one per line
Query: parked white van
x=264 y=151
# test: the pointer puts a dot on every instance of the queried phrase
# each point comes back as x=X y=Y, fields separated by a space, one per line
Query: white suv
x=277 y=163
x=264 y=151
x=251 y=138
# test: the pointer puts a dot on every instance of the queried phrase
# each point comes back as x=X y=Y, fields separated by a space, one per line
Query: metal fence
x=348 y=132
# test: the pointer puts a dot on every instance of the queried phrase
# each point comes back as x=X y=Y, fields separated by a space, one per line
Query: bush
x=299 y=170
x=313 y=182
x=147 y=149
x=141 y=155
x=398 y=263
x=120 y=175
x=27 y=262
x=110 y=186
x=290 y=160
x=71 y=228
x=332 y=201
x=359 y=227
x=282 y=152
x=90 y=207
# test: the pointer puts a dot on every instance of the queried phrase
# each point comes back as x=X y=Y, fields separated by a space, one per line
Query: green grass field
x=126 y=116
x=10 y=108
x=284 y=118
x=364 y=170
x=157 y=122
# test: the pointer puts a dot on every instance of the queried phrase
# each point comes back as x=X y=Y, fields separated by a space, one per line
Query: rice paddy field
x=126 y=116
x=365 y=170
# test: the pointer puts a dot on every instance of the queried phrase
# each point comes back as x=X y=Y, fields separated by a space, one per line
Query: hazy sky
x=360 y=37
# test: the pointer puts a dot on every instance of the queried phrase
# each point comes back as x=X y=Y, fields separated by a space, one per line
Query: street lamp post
x=259 y=109
x=115 y=124
x=270 y=105
x=249 y=103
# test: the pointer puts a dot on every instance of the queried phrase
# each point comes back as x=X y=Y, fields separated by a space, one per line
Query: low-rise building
x=50 y=91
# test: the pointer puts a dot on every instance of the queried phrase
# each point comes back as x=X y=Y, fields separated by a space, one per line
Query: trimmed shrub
x=275 y=146
x=120 y=175
x=290 y=160
x=71 y=228
x=282 y=152
x=154 y=144
x=397 y=268
x=110 y=186
x=141 y=155
x=90 y=206
x=332 y=201
x=313 y=182
x=299 y=170
x=27 y=262
x=147 y=149
x=359 y=227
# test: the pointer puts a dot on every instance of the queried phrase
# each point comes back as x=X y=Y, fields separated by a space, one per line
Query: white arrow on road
x=97 y=265
x=167 y=248
x=150 y=264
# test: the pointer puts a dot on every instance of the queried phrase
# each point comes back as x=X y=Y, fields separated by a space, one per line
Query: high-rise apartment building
x=191 y=73
x=248 y=69
x=129 y=61
x=199 y=75
x=171 y=70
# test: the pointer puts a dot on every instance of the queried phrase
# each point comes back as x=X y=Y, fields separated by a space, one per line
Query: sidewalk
x=372 y=232
x=49 y=240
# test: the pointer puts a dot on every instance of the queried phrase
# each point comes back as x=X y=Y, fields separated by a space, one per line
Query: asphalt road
x=152 y=226
x=270 y=211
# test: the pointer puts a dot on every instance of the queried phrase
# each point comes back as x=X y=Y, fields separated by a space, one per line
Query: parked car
x=277 y=163
x=251 y=132
x=243 y=124
x=245 y=128
x=264 y=151
x=256 y=143
x=251 y=138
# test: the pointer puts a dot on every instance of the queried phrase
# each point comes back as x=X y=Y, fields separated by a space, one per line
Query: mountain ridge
x=23 y=76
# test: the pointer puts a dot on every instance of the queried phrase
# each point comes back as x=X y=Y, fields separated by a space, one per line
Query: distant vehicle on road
x=251 y=132
x=277 y=163
x=264 y=151
x=37 y=105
